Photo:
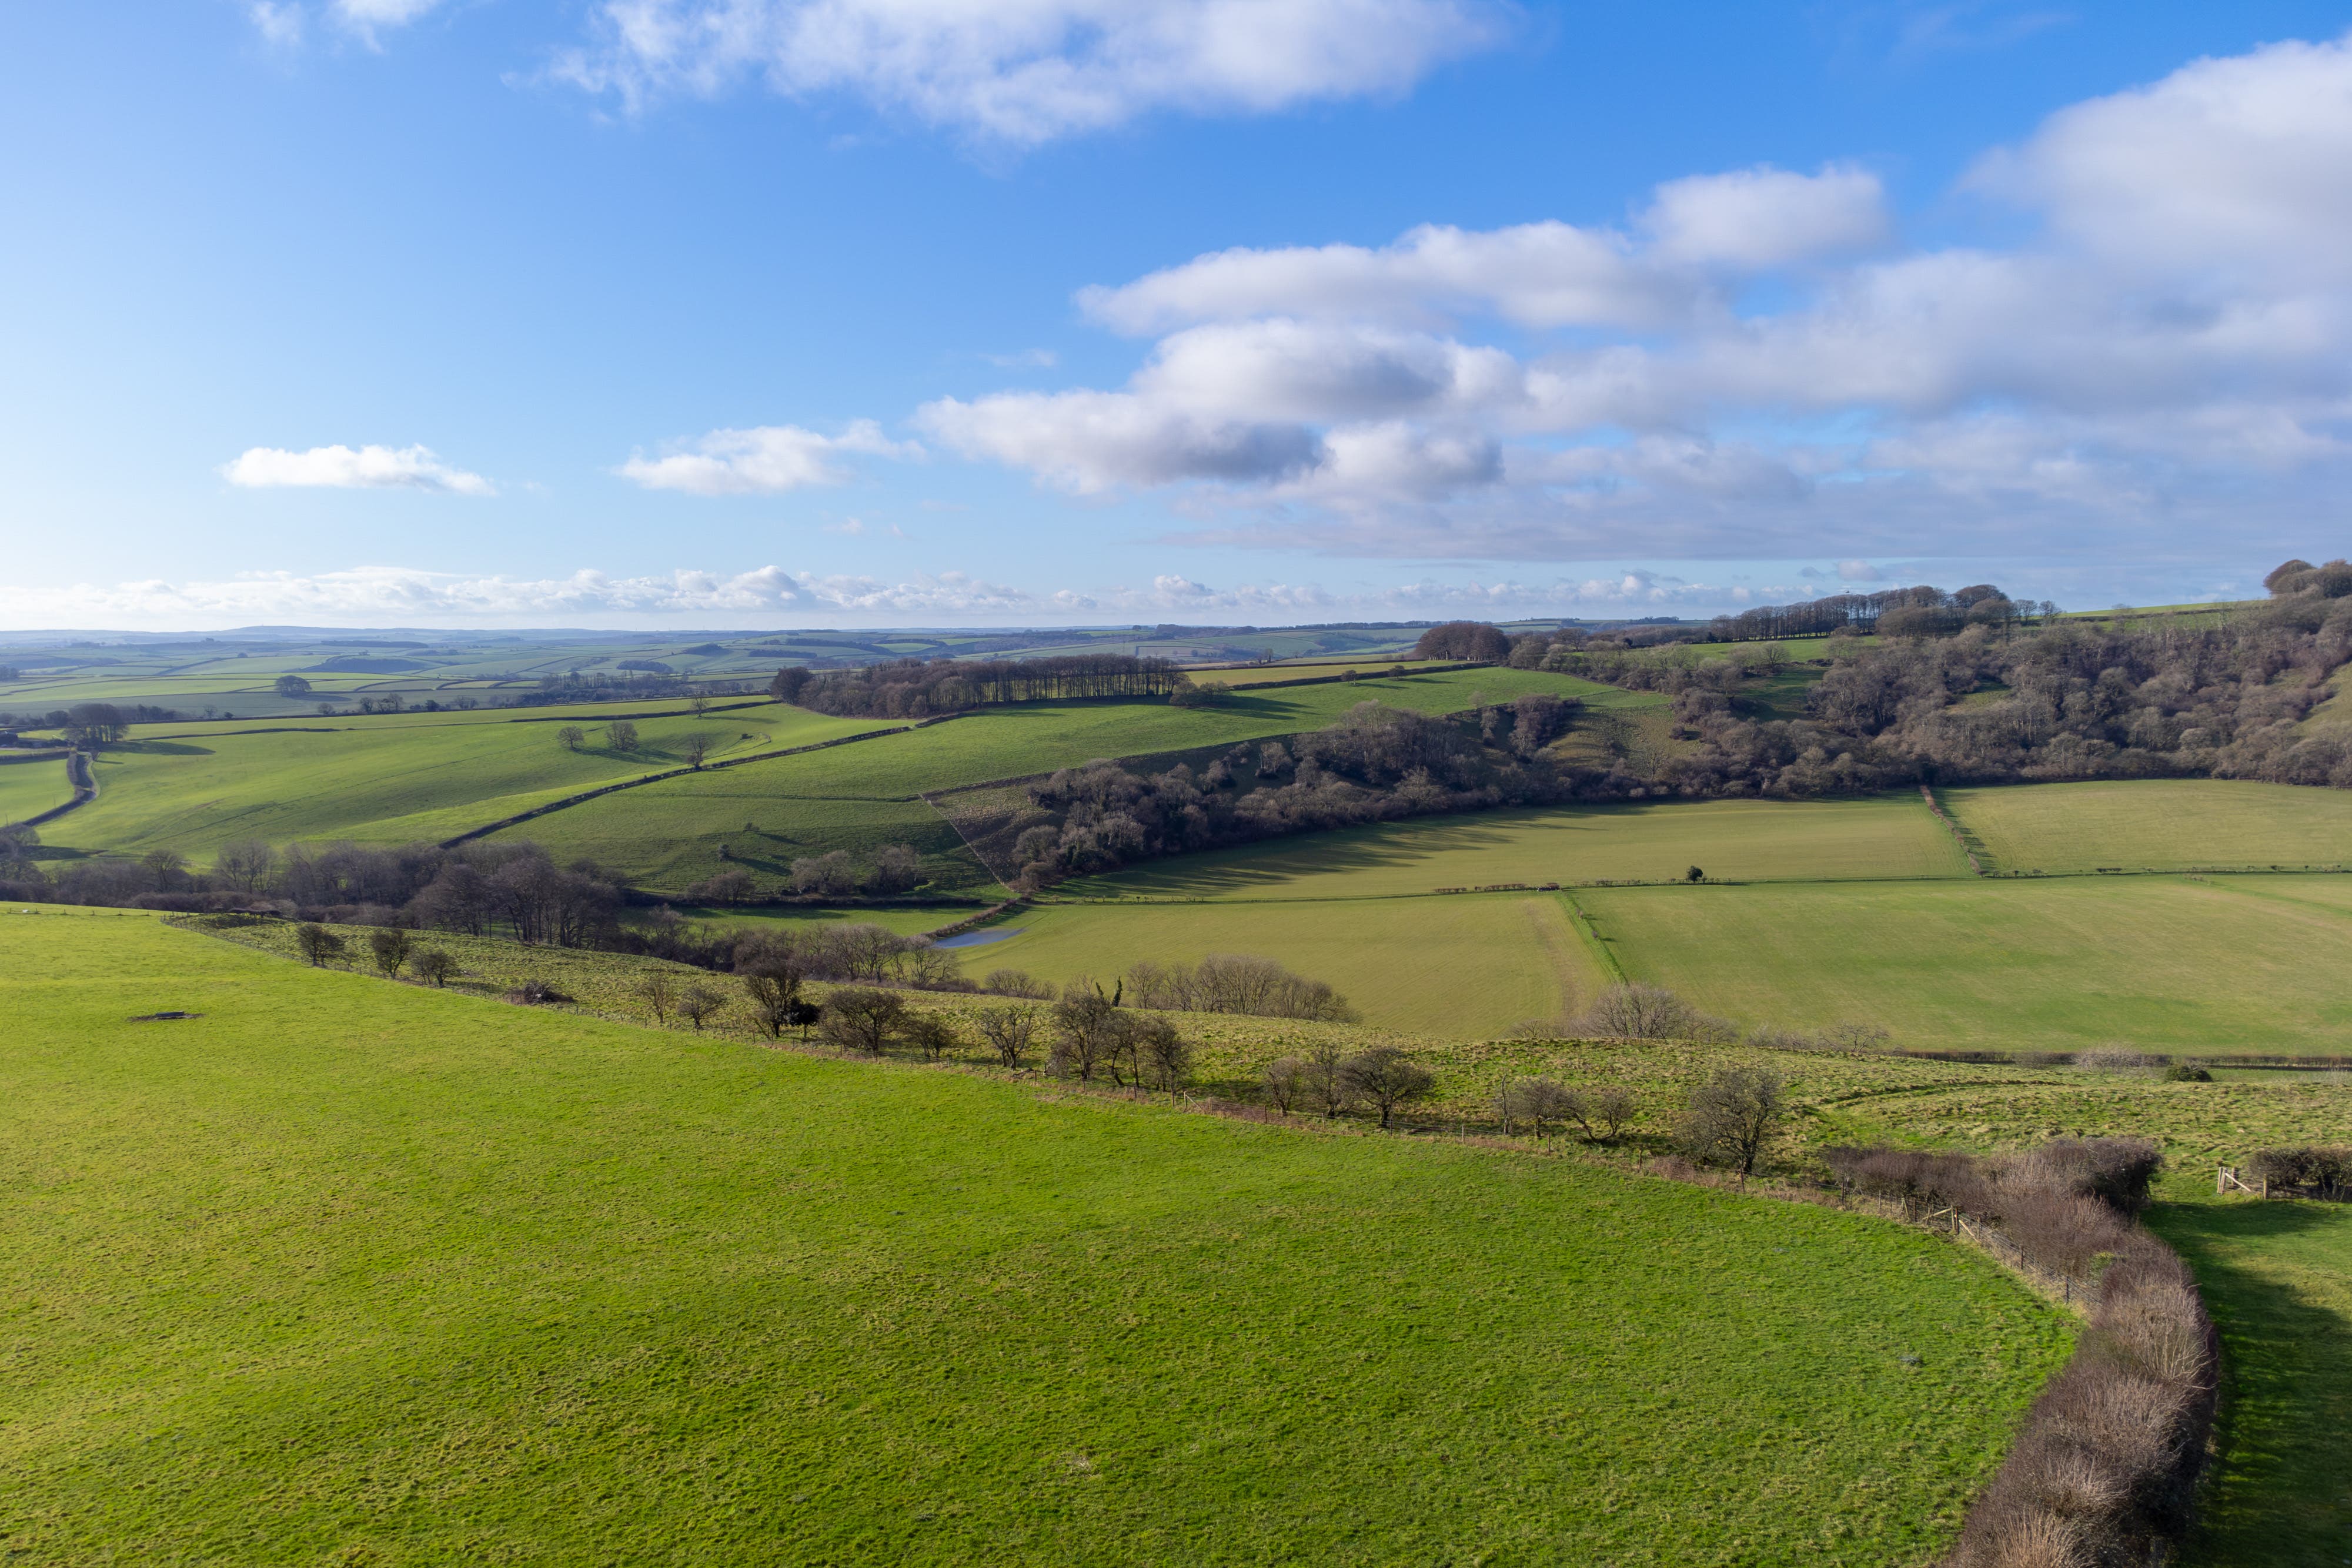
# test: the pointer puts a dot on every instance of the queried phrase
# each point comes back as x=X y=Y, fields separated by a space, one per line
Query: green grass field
x=2156 y=824
x=28 y=788
x=370 y=780
x=1453 y=967
x=1879 y=837
x=347 y=1271
x=2277 y=1278
x=2212 y=964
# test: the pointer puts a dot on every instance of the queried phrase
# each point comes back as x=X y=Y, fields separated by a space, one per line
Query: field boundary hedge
x=84 y=779
x=2105 y=1464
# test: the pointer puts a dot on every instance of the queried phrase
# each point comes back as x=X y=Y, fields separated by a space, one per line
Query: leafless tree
x=658 y=991
x=773 y=994
x=1328 y=1087
x=699 y=702
x=246 y=864
x=1285 y=1081
x=1534 y=1101
x=434 y=964
x=1856 y=1035
x=857 y=1018
x=1732 y=1116
x=934 y=1034
x=1088 y=1032
x=1016 y=983
x=1162 y=1056
x=699 y=1002
x=694 y=748
x=1009 y=1030
x=390 y=946
x=1388 y=1078
x=572 y=737
x=1638 y=1012
x=318 y=944
x=621 y=736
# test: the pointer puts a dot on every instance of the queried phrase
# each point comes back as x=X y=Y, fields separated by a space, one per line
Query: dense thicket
x=1987 y=705
x=913 y=688
x=1375 y=764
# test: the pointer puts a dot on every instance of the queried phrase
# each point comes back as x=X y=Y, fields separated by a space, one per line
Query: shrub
x=1285 y=1081
x=658 y=991
x=2188 y=1072
x=1649 y=1012
x=934 y=1034
x=434 y=964
x=2328 y=1170
x=536 y=994
x=1009 y=1031
x=389 y=946
x=699 y=1002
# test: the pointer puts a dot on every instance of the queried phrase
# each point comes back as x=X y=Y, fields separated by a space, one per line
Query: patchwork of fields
x=345 y=1271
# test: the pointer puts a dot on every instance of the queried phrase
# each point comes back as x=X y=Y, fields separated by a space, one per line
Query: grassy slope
x=2168 y=962
x=2278 y=1278
x=380 y=782
x=348 y=1272
x=1883 y=836
x=2156 y=824
x=1456 y=968
x=28 y=788
x=669 y=833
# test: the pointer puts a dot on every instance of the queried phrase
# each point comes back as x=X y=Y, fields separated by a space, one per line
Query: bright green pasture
x=348 y=1272
x=2182 y=964
x=2156 y=824
x=1451 y=967
x=201 y=787
x=2277 y=1278
x=28 y=788
x=1883 y=836
x=667 y=836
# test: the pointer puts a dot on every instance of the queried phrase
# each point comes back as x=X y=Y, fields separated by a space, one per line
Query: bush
x=1388 y=1078
x=434 y=964
x=2328 y=1170
x=1009 y=1030
x=318 y=944
x=2188 y=1072
x=1016 y=983
x=1231 y=983
x=1648 y=1012
x=858 y=1019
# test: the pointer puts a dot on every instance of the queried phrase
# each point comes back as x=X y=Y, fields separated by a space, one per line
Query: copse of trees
x=917 y=689
x=1232 y=983
x=1463 y=640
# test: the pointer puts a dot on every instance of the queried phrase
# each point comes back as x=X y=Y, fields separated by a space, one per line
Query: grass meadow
x=345 y=1271
x=1878 y=837
x=197 y=788
x=2277 y=1278
x=1452 y=967
x=2215 y=965
x=28 y=788
x=2156 y=824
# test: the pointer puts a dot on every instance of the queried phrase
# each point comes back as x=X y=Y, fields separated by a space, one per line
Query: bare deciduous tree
x=572 y=737
x=318 y=944
x=1087 y=1033
x=934 y=1034
x=697 y=1003
x=1285 y=1082
x=1388 y=1078
x=774 y=991
x=390 y=946
x=621 y=736
x=434 y=964
x=1328 y=1087
x=1731 y=1117
x=860 y=1019
x=694 y=748
x=1009 y=1030
x=658 y=991
x=1016 y=983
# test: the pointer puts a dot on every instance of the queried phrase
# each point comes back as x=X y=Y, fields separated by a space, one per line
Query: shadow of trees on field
x=2282 y=1497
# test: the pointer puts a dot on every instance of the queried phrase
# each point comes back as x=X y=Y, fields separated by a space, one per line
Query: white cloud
x=1023 y=72
x=766 y=461
x=278 y=24
x=1765 y=217
x=2168 y=354
x=346 y=468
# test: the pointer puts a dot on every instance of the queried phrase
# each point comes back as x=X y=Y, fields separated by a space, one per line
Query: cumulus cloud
x=2166 y=349
x=767 y=460
x=346 y=468
x=1024 y=72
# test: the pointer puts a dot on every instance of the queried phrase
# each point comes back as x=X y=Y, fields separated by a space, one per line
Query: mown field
x=2217 y=964
x=345 y=1271
x=28 y=788
x=431 y=776
x=1453 y=967
x=2156 y=824
x=1879 y=837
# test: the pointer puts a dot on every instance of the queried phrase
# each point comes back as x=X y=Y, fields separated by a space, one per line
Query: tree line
x=915 y=688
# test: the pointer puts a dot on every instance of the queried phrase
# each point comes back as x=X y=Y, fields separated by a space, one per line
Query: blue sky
x=764 y=312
